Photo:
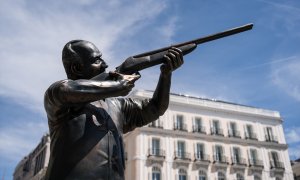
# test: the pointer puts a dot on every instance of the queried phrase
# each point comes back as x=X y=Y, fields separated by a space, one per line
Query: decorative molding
x=212 y=138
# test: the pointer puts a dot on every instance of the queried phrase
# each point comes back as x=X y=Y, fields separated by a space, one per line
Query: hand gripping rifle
x=148 y=59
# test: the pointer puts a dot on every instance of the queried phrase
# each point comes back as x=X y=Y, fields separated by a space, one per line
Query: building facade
x=296 y=169
x=34 y=166
x=200 y=139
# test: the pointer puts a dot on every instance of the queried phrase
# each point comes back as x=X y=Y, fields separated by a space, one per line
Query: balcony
x=180 y=127
x=251 y=136
x=217 y=131
x=201 y=157
x=277 y=165
x=238 y=161
x=156 y=125
x=254 y=163
x=180 y=155
x=156 y=153
x=234 y=133
x=271 y=139
x=199 y=129
x=220 y=159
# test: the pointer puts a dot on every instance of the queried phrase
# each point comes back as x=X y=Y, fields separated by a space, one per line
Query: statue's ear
x=76 y=68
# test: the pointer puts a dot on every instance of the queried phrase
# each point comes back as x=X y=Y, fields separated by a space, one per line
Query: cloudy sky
x=259 y=68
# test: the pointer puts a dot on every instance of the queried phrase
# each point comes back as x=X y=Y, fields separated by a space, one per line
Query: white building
x=199 y=139
x=34 y=166
x=296 y=169
x=196 y=139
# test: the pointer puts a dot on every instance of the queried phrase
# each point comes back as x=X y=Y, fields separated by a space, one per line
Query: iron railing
x=182 y=155
x=156 y=152
x=199 y=129
x=217 y=131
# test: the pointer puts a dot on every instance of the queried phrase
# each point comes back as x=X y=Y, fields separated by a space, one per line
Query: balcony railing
x=217 y=131
x=251 y=136
x=220 y=159
x=156 y=125
x=271 y=139
x=256 y=163
x=199 y=129
x=201 y=157
x=180 y=127
x=276 y=165
x=182 y=155
x=234 y=133
x=156 y=152
x=238 y=161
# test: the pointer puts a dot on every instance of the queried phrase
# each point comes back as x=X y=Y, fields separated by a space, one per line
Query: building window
x=202 y=175
x=233 y=132
x=198 y=125
x=253 y=157
x=274 y=160
x=249 y=134
x=218 y=154
x=221 y=176
x=155 y=147
x=156 y=174
x=179 y=123
x=200 y=151
x=269 y=135
x=182 y=175
x=240 y=176
x=236 y=159
x=181 y=149
x=216 y=130
x=39 y=161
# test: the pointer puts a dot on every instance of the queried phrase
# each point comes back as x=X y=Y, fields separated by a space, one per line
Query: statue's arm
x=70 y=92
x=161 y=95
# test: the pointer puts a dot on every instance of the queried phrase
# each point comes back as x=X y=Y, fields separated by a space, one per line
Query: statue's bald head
x=80 y=59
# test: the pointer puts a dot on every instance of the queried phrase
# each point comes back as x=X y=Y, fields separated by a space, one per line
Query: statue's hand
x=126 y=81
x=173 y=60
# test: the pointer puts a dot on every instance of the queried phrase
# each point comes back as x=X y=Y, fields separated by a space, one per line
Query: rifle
x=145 y=60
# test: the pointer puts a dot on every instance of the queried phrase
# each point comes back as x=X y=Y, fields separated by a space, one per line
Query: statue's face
x=91 y=60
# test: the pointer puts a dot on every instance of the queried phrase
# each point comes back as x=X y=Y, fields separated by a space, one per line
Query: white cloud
x=294 y=152
x=293 y=135
x=33 y=38
x=286 y=76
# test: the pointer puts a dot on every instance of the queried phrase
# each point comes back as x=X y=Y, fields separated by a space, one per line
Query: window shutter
x=246 y=134
x=265 y=133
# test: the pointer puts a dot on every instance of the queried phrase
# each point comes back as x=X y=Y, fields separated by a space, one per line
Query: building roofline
x=223 y=105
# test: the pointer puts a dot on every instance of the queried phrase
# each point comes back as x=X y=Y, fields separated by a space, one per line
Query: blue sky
x=259 y=68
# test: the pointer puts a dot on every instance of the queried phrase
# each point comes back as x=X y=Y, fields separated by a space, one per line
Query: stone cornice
x=211 y=138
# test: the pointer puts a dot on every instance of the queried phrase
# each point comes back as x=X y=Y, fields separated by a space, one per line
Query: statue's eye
x=97 y=61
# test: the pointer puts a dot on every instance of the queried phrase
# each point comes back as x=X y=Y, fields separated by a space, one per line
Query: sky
x=259 y=68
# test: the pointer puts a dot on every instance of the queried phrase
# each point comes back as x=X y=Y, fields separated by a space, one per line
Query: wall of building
x=140 y=164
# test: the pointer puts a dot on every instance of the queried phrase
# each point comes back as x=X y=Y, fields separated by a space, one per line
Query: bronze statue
x=87 y=120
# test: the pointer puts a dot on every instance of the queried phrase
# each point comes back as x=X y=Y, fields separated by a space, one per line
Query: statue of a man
x=87 y=121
